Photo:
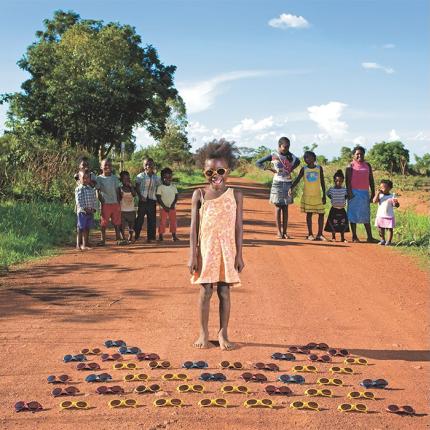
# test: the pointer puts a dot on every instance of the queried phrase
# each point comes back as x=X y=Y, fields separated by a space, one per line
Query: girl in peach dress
x=216 y=238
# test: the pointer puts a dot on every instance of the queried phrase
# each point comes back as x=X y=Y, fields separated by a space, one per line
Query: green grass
x=30 y=230
x=187 y=178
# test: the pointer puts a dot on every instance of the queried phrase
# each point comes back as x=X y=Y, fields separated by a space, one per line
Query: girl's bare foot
x=224 y=343
x=202 y=342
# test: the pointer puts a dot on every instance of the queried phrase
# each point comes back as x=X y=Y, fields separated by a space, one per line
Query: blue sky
x=327 y=71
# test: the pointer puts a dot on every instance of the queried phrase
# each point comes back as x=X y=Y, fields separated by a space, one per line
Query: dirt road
x=366 y=298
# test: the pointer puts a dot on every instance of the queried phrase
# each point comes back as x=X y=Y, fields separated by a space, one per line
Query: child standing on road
x=216 y=238
x=109 y=195
x=337 y=221
x=84 y=165
x=385 y=220
x=86 y=205
x=146 y=186
x=167 y=197
x=128 y=212
x=314 y=185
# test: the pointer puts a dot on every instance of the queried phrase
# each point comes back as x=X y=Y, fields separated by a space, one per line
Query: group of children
x=117 y=202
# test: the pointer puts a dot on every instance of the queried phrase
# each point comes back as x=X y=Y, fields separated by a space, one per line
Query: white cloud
x=328 y=120
x=359 y=140
x=393 y=136
x=389 y=46
x=249 y=124
x=376 y=66
x=421 y=136
x=286 y=20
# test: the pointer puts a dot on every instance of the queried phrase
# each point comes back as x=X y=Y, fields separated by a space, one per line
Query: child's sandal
x=310 y=237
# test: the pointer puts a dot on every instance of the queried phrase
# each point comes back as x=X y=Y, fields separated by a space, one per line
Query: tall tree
x=390 y=156
x=91 y=83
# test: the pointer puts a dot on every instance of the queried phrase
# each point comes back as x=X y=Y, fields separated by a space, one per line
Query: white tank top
x=127 y=202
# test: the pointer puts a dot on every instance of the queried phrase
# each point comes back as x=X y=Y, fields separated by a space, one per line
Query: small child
x=86 y=205
x=216 y=238
x=167 y=197
x=337 y=221
x=314 y=185
x=385 y=220
x=128 y=211
x=108 y=191
x=84 y=164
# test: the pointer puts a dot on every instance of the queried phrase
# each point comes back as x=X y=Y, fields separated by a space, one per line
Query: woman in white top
x=283 y=162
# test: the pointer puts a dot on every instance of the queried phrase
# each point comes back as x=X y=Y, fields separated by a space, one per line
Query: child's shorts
x=85 y=221
x=382 y=222
x=128 y=219
x=110 y=211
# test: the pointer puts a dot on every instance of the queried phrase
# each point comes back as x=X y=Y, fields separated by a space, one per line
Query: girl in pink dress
x=216 y=238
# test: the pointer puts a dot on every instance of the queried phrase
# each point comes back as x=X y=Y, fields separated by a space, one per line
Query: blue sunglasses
x=293 y=379
x=212 y=377
x=103 y=377
x=114 y=343
x=78 y=357
x=129 y=350
x=195 y=365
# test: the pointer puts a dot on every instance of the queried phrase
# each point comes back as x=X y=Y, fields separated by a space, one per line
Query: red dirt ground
x=366 y=298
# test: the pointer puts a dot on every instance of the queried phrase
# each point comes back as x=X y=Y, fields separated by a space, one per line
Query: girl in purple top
x=359 y=177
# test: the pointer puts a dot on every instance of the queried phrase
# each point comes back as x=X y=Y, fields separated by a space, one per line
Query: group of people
x=359 y=179
x=117 y=202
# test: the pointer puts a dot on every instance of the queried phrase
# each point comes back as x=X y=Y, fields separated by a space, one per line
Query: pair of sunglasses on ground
x=129 y=350
x=283 y=356
x=255 y=377
x=361 y=361
x=278 y=391
x=374 y=383
x=305 y=405
x=78 y=357
x=68 y=404
x=168 y=402
x=227 y=389
x=236 y=365
x=219 y=402
x=68 y=391
x=123 y=403
x=361 y=395
x=91 y=351
x=338 y=352
x=88 y=366
x=136 y=377
x=299 y=349
x=115 y=389
x=266 y=366
x=327 y=381
x=185 y=388
x=175 y=377
x=313 y=392
x=127 y=366
x=311 y=369
x=112 y=357
x=195 y=365
x=141 y=389
x=259 y=403
x=401 y=410
x=210 y=172
x=160 y=364
x=291 y=379
x=141 y=356
x=32 y=406
x=62 y=379
x=323 y=358
x=114 y=343
x=102 y=377
x=313 y=345
x=350 y=407
x=212 y=377
x=337 y=369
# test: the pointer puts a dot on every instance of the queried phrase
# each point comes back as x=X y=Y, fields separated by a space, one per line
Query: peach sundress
x=217 y=240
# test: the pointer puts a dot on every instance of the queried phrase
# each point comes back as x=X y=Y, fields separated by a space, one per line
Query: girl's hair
x=284 y=140
x=358 y=148
x=83 y=158
x=338 y=174
x=387 y=182
x=166 y=171
x=123 y=173
x=310 y=153
x=218 y=149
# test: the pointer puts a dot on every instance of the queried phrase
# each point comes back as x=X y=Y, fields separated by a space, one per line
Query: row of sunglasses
x=218 y=377
x=34 y=406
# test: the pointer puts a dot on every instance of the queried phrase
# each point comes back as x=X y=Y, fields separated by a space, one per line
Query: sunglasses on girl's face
x=210 y=172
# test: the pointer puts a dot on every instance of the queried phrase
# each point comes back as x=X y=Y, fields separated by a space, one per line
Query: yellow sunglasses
x=361 y=395
x=185 y=388
x=140 y=389
x=235 y=389
x=125 y=403
x=361 y=361
x=258 y=403
x=312 y=369
x=205 y=403
x=175 y=377
x=128 y=366
x=68 y=404
x=305 y=405
x=337 y=369
x=136 y=377
x=313 y=392
x=159 y=403
x=327 y=381
x=349 y=407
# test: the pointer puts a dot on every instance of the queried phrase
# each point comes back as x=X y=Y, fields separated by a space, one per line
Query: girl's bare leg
x=284 y=221
x=204 y=305
x=78 y=238
x=309 y=223
x=223 y=291
x=390 y=235
x=278 y=212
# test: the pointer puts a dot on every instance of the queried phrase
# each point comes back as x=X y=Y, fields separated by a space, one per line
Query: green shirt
x=167 y=193
x=108 y=186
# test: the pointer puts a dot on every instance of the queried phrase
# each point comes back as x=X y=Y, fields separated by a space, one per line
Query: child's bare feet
x=85 y=248
x=224 y=343
x=202 y=342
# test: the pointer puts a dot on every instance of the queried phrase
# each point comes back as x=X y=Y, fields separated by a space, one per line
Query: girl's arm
x=174 y=201
x=376 y=198
x=371 y=182
x=297 y=180
x=194 y=231
x=348 y=182
x=239 y=264
x=296 y=163
x=260 y=163
x=322 y=185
